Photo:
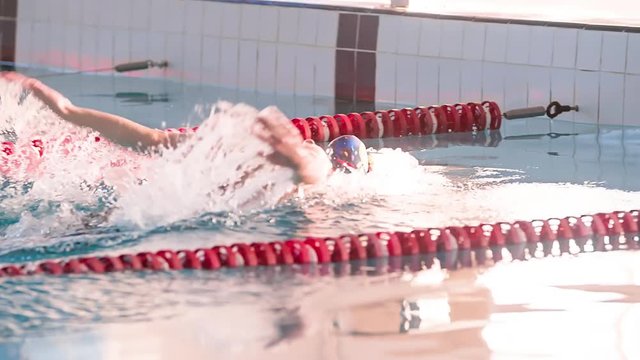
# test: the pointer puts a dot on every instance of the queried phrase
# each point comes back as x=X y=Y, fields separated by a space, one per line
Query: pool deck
x=608 y=13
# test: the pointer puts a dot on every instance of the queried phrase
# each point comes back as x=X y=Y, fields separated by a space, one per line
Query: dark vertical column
x=345 y=76
x=366 y=60
x=355 y=75
x=8 y=14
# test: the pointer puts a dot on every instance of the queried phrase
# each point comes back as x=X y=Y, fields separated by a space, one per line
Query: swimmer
x=349 y=155
x=308 y=160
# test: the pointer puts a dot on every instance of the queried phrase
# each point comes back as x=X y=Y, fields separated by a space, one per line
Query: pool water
x=530 y=169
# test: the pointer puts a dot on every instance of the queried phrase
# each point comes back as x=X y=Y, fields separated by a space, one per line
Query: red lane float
x=523 y=239
x=365 y=125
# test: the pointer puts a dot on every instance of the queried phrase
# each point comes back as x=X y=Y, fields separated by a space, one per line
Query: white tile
x=496 y=43
x=268 y=23
x=589 y=50
x=122 y=14
x=266 y=76
x=449 y=84
x=248 y=64
x=386 y=77
x=104 y=51
x=430 y=37
x=409 y=36
x=516 y=87
x=212 y=18
x=614 y=51
x=121 y=46
x=611 y=99
x=140 y=14
x=175 y=54
x=140 y=44
x=518 y=44
x=587 y=97
x=564 y=47
x=428 y=81
x=473 y=41
x=325 y=64
x=91 y=12
x=40 y=42
x=41 y=11
x=288 y=25
x=107 y=15
x=23 y=41
x=327 y=28
x=192 y=57
x=539 y=86
x=193 y=17
x=631 y=103
x=493 y=82
x=58 y=13
x=471 y=83
x=27 y=9
x=71 y=48
x=308 y=26
x=285 y=69
x=56 y=45
x=542 y=45
x=176 y=17
x=562 y=89
x=406 y=80
x=388 y=33
x=251 y=22
x=229 y=63
x=88 y=48
x=73 y=10
x=231 y=18
x=305 y=72
x=210 y=60
x=452 y=39
x=633 y=54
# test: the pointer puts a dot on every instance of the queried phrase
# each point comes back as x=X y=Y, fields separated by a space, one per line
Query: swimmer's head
x=348 y=154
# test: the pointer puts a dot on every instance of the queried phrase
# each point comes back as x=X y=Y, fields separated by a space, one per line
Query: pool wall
x=343 y=52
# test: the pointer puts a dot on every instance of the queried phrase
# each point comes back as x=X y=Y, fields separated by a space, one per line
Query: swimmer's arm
x=118 y=129
x=115 y=128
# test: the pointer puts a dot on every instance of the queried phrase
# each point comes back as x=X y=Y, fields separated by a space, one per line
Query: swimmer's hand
x=308 y=160
x=50 y=97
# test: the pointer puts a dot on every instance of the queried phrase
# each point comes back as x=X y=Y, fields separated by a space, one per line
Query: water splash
x=220 y=168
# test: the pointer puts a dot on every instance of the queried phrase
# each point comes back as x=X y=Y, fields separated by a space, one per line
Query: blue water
x=524 y=171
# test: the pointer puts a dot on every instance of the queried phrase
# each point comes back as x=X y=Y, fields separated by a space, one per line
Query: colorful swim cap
x=348 y=154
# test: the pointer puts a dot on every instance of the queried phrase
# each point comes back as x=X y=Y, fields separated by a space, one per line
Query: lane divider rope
x=420 y=120
x=616 y=230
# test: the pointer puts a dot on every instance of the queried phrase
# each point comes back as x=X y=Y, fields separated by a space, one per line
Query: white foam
x=220 y=168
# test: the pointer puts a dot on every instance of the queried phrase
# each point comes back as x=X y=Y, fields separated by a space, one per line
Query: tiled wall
x=426 y=60
x=271 y=49
x=8 y=9
x=348 y=54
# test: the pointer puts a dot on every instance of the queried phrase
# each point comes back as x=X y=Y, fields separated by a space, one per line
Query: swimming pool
x=529 y=169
